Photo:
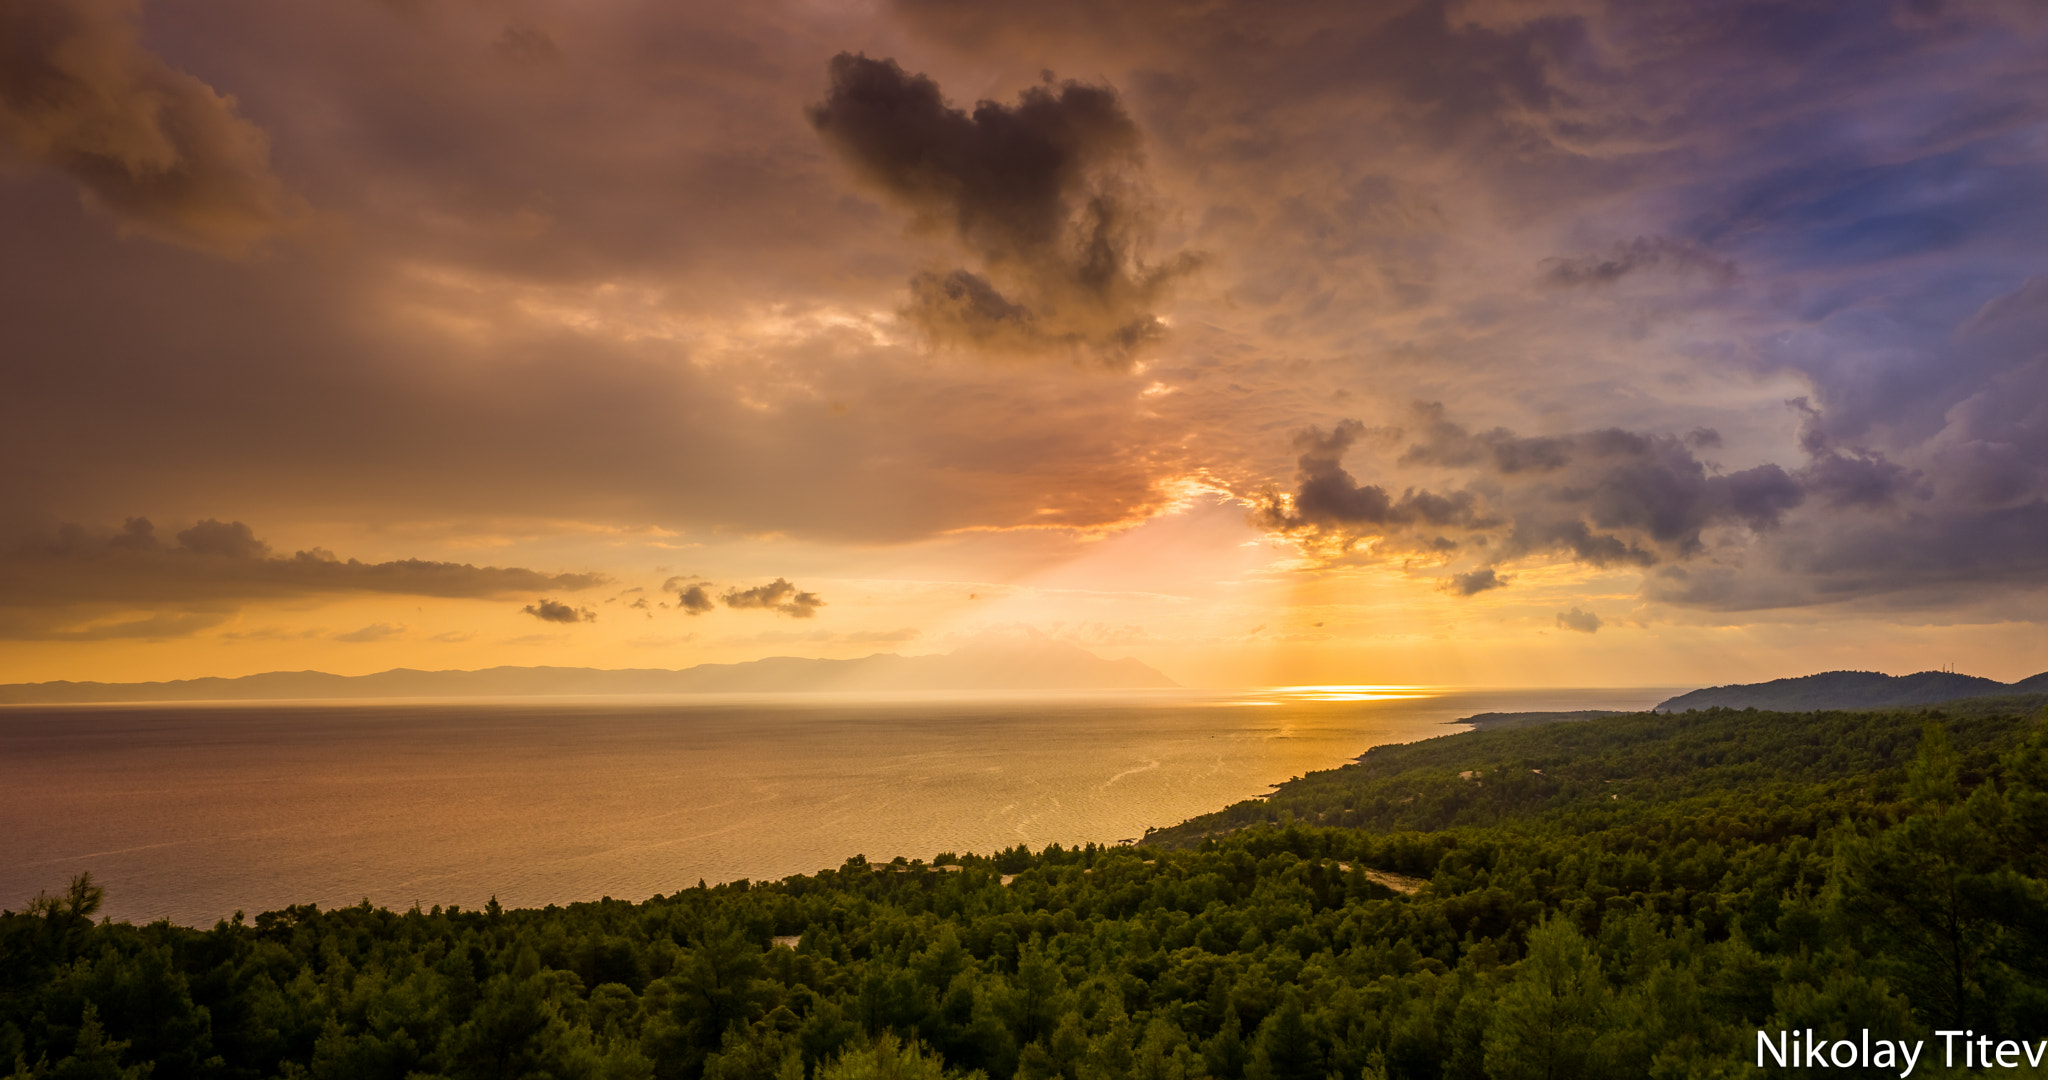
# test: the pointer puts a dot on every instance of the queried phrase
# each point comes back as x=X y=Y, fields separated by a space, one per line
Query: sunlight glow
x=1353 y=693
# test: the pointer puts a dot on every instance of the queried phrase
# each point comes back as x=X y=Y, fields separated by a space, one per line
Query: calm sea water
x=192 y=812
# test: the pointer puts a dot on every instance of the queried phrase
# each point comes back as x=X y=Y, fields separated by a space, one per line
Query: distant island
x=1029 y=665
x=1852 y=690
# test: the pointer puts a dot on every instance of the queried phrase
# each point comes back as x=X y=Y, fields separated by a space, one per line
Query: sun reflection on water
x=1347 y=692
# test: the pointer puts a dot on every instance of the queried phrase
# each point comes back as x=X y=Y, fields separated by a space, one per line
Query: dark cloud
x=1603 y=498
x=1328 y=496
x=1636 y=487
x=1045 y=192
x=692 y=596
x=778 y=595
x=1585 y=622
x=1608 y=497
x=161 y=151
x=1475 y=582
x=1848 y=525
x=232 y=540
x=555 y=611
x=56 y=581
x=225 y=561
x=1647 y=484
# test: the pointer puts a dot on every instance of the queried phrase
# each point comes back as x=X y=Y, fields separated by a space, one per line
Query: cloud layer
x=1738 y=306
x=52 y=581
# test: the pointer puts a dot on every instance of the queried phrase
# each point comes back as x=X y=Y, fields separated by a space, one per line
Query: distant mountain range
x=1029 y=665
x=1853 y=690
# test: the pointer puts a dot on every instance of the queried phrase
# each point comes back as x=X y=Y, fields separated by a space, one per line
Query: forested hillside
x=1715 y=770
x=1627 y=897
x=1853 y=690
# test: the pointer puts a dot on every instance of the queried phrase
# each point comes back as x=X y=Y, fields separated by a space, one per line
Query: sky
x=1471 y=343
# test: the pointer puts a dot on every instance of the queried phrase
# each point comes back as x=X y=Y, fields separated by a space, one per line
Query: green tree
x=890 y=1058
x=1287 y=1047
x=1547 y=1024
x=95 y=1057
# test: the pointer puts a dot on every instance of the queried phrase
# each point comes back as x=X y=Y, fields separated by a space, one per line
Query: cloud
x=162 y=152
x=373 y=632
x=778 y=595
x=1606 y=497
x=1585 y=622
x=225 y=561
x=1045 y=192
x=232 y=540
x=1849 y=524
x=1327 y=495
x=77 y=583
x=556 y=612
x=691 y=595
x=1474 y=582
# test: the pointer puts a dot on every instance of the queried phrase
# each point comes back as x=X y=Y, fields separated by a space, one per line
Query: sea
x=191 y=812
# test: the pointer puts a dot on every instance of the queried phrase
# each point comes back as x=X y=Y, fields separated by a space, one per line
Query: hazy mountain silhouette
x=1029 y=664
x=1852 y=690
